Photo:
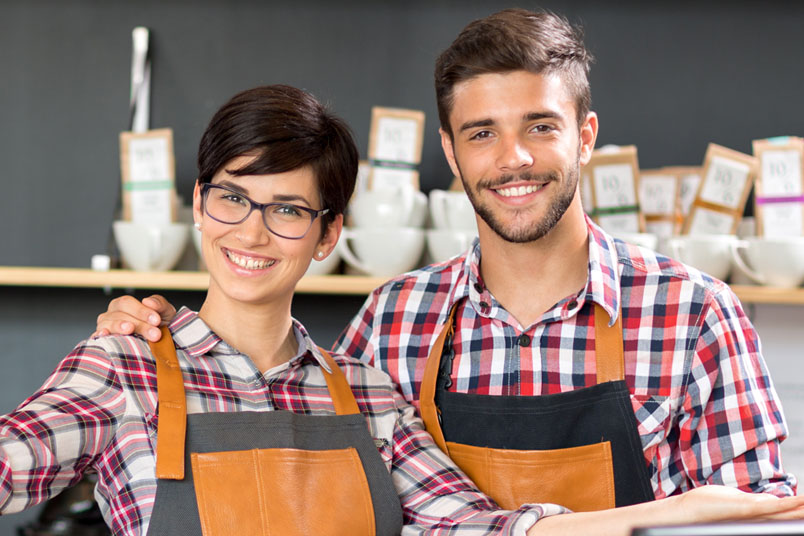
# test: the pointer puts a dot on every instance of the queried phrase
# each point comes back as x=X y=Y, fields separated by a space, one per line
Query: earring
x=320 y=254
x=197 y=225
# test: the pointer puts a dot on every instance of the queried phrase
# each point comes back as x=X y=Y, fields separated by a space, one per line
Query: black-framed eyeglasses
x=282 y=219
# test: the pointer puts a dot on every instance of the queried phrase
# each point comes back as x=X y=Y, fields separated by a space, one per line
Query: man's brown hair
x=515 y=40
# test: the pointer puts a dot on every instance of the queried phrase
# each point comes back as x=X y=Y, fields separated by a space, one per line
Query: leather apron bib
x=267 y=473
x=580 y=449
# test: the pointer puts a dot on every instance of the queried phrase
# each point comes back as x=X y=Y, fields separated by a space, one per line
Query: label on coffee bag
x=726 y=180
x=780 y=186
x=148 y=172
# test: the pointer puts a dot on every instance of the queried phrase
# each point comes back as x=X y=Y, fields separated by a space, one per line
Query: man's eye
x=543 y=128
x=483 y=134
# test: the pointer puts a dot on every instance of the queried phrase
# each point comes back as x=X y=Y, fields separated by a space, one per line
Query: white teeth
x=248 y=263
x=522 y=190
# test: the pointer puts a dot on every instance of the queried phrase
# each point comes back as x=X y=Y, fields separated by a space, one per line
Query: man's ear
x=330 y=237
x=449 y=151
x=588 y=135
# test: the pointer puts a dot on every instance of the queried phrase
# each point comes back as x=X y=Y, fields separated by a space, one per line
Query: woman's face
x=246 y=261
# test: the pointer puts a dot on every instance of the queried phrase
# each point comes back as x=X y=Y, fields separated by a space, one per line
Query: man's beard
x=530 y=233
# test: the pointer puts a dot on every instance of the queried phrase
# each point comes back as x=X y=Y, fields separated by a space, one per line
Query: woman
x=280 y=437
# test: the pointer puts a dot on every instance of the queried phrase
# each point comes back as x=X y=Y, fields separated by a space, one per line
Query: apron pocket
x=579 y=478
x=278 y=492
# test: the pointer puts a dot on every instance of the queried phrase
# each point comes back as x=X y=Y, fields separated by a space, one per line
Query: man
x=550 y=345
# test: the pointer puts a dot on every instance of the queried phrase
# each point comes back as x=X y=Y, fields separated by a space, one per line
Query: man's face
x=518 y=149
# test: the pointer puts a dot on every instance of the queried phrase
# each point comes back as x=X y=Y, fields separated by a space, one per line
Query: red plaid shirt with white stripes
x=97 y=412
x=704 y=403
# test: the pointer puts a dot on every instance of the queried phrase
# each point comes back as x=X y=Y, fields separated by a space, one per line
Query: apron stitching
x=264 y=523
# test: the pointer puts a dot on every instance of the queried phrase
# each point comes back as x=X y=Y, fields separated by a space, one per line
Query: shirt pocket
x=385 y=450
x=653 y=417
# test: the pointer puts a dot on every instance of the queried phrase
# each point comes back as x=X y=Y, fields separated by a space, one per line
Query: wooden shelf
x=25 y=276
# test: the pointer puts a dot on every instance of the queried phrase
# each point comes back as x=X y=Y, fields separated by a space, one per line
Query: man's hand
x=127 y=315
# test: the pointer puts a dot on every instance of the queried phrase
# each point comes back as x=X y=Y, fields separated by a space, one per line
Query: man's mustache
x=528 y=176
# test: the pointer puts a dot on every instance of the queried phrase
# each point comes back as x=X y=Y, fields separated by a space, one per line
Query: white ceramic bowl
x=443 y=244
x=149 y=246
x=711 y=254
x=382 y=251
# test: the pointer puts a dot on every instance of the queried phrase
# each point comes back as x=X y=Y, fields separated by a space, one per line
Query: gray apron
x=267 y=473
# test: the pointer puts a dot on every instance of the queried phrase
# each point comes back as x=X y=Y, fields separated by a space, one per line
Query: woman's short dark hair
x=515 y=40
x=286 y=129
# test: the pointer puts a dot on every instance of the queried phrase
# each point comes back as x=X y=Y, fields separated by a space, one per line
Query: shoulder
x=121 y=353
x=363 y=375
x=421 y=285
x=648 y=270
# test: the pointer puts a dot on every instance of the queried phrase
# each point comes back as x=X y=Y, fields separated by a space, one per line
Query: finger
x=132 y=309
x=119 y=323
x=163 y=308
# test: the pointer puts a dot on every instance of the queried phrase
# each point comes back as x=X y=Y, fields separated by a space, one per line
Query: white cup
x=452 y=210
x=711 y=254
x=150 y=246
x=646 y=240
x=384 y=251
x=443 y=244
x=773 y=261
x=389 y=207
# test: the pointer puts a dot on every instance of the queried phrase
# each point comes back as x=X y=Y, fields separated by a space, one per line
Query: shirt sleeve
x=48 y=442
x=437 y=498
x=731 y=421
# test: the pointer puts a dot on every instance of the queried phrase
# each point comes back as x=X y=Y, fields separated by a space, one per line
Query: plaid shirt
x=705 y=407
x=97 y=412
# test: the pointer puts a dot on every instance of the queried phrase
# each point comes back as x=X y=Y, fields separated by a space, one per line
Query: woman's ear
x=330 y=237
x=198 y=214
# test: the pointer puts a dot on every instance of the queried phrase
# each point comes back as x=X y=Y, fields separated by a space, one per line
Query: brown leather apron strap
x=609 y=360
x=342 y=397
x=427 y=406
x=172 y=416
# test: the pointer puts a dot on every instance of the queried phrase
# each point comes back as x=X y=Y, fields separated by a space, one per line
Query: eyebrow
x=530 y=116
x=278 y=198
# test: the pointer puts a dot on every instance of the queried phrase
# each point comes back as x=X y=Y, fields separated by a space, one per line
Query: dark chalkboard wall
x=670 y=77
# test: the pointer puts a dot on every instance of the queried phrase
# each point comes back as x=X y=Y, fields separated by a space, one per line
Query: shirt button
x=524 y=340
x=484 y=305
x=479 y=287
x=573 y=304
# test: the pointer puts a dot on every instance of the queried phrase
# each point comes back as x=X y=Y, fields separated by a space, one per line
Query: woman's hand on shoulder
x=127 y=315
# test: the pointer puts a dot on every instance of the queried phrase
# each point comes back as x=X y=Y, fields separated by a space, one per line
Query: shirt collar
x=192 y=335
x=602 y=287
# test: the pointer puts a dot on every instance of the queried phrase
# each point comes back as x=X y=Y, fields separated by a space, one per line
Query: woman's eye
x=233 y=198
x=287 y=211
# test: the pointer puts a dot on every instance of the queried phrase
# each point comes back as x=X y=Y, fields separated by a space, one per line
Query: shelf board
x=26 y=276
x=771 y=295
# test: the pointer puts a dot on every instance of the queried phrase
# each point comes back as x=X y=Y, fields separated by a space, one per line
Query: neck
x=529 y=278
x=261 y=331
